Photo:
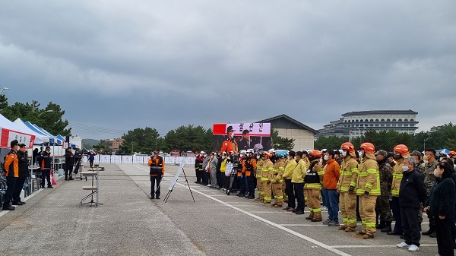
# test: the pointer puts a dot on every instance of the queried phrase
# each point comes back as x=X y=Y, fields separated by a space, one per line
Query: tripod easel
x=174 y=182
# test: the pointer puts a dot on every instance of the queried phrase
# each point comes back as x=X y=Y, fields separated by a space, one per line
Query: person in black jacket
x=45 y=167
x=23 y=174
x=69 y=162
x=441 y=203
x=411 y=194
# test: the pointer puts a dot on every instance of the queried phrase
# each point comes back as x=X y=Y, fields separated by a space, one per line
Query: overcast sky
x=114 y=65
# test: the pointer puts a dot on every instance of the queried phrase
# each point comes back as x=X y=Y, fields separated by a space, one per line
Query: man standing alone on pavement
x=157 y=169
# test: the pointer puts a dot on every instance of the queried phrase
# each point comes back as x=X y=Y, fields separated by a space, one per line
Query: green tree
x=190 y=138
x=330 y=142
x=141 y=141
x=386 y=140
x=440 y=137
x=3 y=102
x=102 y=147
x=281 y=142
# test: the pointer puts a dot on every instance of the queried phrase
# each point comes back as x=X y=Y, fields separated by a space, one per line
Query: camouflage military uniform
x=429 y=180
x=419 y=167
x=429 y=177
x=382 y=206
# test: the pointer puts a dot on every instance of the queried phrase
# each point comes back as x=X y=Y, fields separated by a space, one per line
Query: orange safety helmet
x=348 y=146
x=315 y=153
x=401 y=149
x=266 y=154
x=368 y=147
x=452 y=153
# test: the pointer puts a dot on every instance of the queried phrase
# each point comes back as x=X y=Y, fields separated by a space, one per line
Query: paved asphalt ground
x=129 y=223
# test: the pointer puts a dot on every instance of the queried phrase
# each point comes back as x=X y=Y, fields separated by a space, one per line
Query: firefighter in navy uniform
x=69 y=162
x=45 y=167
x=157 y=169
x=23 y=174
x=249 y=172
x=11 y=172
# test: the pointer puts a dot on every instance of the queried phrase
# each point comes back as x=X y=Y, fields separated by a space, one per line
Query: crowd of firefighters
x=366 y=184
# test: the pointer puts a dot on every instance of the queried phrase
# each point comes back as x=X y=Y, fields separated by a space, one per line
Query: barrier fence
x=114 y=159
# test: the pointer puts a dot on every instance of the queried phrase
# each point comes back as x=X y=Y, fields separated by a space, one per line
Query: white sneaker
x=403 y=245
x=413 y=248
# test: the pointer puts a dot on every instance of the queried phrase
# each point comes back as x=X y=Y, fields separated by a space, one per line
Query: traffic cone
x=52 y=179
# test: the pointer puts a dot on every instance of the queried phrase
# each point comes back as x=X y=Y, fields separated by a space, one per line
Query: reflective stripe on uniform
x=312 y=185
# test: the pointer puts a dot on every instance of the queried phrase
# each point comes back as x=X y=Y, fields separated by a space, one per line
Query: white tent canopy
x=39 y=138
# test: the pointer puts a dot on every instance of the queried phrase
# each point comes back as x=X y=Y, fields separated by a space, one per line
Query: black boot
x=387 y=227
x=429 y=232
x=8 y=207
x=381 y=225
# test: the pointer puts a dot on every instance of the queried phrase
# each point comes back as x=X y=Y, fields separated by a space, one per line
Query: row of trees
x=439 y=138
x=50 y=118
x=185 y=138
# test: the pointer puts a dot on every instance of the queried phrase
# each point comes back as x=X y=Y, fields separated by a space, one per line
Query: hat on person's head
x=22 y=145
x=14 y=143
x=382 y=153
x=229 y=129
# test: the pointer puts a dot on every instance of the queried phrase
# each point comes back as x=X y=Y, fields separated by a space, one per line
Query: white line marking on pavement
x=27 y=198
x=303 y=225
x=311 y=240
x=376 y=246
x=266 y=212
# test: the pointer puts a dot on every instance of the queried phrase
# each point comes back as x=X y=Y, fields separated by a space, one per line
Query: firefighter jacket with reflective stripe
x=268 y=167
x=291 y=165
x=249 y=166
x=259 y=169
x=314 y=175
x=157 y=166
x=348 y=174
x=276 y=176
x=46 y=160
x=369 y=178
x=299 y=172
x=12 y=164
x=397 y=177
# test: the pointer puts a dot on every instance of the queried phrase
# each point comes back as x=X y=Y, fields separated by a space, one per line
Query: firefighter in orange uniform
x=157 y=169
x=368 y=189
x=249 y=167
x=229 y=144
